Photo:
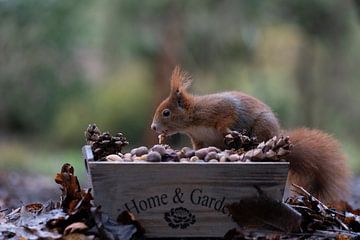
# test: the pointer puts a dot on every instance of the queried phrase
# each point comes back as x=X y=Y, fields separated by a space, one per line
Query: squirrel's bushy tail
x=318 y=164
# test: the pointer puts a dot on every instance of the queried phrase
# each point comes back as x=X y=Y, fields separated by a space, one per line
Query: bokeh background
x=65 y=64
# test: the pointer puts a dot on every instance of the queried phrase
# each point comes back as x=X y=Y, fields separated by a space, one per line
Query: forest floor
x=17 y=189
x=22 y=188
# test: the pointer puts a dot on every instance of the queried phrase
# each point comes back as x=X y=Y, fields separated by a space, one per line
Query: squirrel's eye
x=166 y=113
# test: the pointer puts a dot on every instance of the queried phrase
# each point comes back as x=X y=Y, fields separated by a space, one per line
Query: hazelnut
x=162 y=138
x=234 y=157
x=194 y=158
x=114 y=157
x=159 y=148
x=144 y=157
x=201 y=153
x=127 y=157
x=184 y=160
x=211 y=155
x=154 y=156
x=213 y=149
x=188 y=152
x=139 y=151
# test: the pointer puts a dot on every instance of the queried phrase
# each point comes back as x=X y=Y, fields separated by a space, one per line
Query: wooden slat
x=88 y=157
x=116 y=184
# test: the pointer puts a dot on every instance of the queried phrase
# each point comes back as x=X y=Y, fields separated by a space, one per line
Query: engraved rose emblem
x=179 y=218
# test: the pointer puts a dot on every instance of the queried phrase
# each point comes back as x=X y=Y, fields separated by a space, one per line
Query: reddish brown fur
x=316 y=161
x=318 y=164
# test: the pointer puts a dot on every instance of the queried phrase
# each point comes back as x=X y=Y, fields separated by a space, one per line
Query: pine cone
x=92 y=134
x=275 y=149
x=103 y=144
x=236 y=140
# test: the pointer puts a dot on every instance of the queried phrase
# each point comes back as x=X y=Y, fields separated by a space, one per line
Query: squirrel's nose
x=153 y=126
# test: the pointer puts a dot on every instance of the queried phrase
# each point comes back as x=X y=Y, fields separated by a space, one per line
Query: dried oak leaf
x=263 y=211
x=70 y=187
x=127 y=218
x=318 y=216
x=34 y=207
x=7 y=234
x=343 y=237
x=96 y=214
x=77 y=236
x=234 y=234
x=75 y=227
x=353 y=221
x=69 y=183
x=345 y=207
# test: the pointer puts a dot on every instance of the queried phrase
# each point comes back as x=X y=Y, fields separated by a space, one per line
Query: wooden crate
x=174 y=199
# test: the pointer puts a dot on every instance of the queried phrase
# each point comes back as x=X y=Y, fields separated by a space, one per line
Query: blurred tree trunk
x=357 y=7
x=167 y=57
x=304 y=76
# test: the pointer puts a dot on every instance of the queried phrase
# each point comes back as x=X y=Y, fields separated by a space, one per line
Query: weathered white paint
x=151 y=189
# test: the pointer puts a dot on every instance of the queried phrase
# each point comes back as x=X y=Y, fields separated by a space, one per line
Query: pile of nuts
x=273 y=150
x=108 y=148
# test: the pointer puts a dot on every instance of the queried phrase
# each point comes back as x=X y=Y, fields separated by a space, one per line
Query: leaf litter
x=302 y=216
x=75 y=216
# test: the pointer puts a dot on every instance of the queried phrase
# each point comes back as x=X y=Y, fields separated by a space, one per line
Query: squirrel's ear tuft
x=180 y=80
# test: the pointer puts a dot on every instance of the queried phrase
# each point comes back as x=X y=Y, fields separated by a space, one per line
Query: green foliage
x=37 y=69
x=17 y=156
x=325 y=20
x=119 y=104
x=65 y=64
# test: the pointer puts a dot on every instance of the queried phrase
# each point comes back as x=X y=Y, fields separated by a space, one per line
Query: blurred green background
x=65 y=64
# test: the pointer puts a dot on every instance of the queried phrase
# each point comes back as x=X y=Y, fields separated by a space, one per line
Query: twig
x=327 y=210
x=298 y=206
x=342 y=224
x=309 y=195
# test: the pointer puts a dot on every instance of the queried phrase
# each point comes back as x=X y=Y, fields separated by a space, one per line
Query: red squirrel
x=316 y=160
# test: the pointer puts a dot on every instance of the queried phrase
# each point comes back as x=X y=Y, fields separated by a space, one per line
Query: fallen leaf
x=318 y=216
x=234 y=234
x=77 y=236
x=75 y=227
x=34 y=207
x=127 y=218
x=343 y=237
x=263 y=211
